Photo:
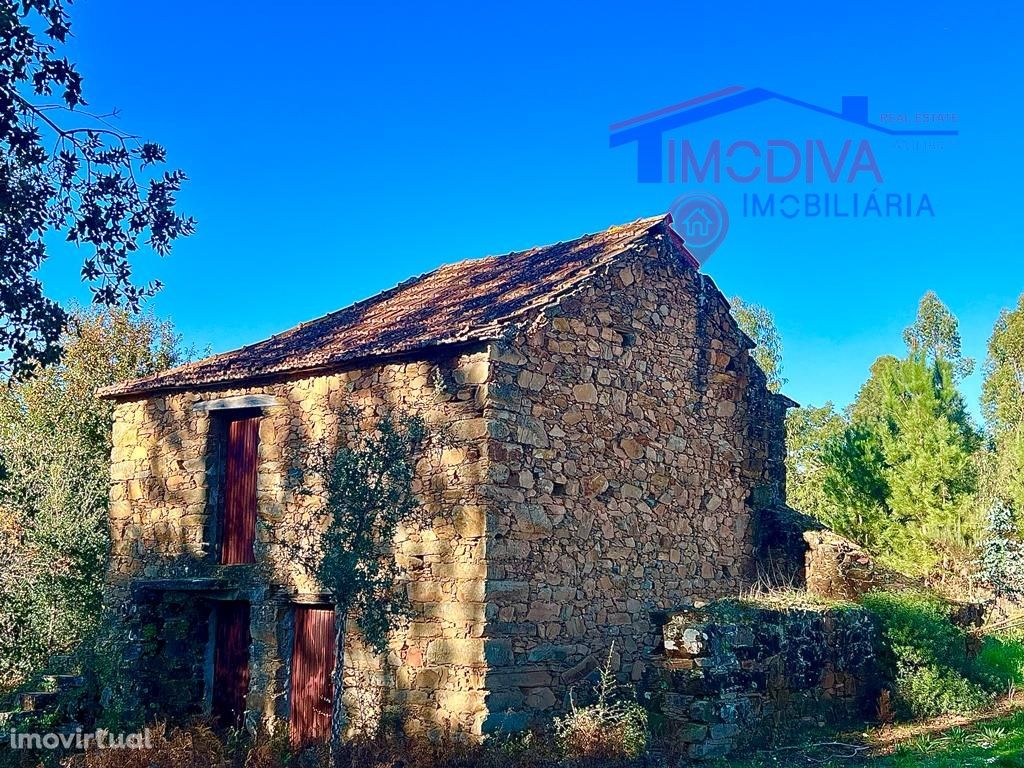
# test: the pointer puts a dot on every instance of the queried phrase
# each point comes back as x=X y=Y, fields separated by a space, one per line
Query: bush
x=926 y=655
x=1001 y=661
x=613 y=727
x=929 y=691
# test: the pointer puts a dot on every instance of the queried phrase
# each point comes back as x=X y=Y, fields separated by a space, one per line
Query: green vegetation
x=998 y=743
x=759 y=324
x=926 y=657
x=612 y=727
x=368 y=494
x=54 y=478
x=1003 y=405
x=904 y=471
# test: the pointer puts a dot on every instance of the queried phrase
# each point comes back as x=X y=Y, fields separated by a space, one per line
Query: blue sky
x=335 y=149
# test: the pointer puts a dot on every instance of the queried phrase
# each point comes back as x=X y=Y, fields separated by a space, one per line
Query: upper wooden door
x=238 y=530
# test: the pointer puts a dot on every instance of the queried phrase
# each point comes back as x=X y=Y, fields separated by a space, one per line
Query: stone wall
x=169 y=655
x=631 y=439
x=732 y=675
x=796 y=550
x=164 y=496
x=609 y=458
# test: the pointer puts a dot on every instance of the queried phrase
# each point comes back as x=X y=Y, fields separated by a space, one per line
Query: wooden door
x=312 y=666
x=239 y=523
x=230 y=662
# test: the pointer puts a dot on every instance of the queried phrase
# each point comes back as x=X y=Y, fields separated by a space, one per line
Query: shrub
x=929 y=691
x=613 y=727
x=926 y=655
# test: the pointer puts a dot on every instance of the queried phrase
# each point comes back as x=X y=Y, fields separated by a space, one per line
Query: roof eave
x=118 y=392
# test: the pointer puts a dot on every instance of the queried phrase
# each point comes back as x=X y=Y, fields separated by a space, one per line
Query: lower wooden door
x=312 y=667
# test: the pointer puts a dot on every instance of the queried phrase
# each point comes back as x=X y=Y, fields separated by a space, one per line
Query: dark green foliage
x=926 y=656
x=66 y=171
x=1001 y=661
x=901 y=477
x=899 y=471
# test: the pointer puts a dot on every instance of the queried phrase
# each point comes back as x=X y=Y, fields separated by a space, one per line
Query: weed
x=613 y=727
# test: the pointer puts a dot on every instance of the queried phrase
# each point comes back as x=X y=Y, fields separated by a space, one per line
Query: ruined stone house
x=613 y=444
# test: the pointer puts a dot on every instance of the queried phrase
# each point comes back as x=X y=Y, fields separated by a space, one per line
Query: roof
x=458 y=303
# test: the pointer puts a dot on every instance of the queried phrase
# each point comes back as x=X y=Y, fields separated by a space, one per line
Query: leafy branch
x=97 y=186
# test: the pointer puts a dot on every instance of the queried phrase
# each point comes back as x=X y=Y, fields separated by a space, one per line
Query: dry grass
x=784 y=598
x=193 y=746
x=884 y=740
x=198 y=745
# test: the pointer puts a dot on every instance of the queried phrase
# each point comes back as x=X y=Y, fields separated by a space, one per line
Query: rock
x=585 y=393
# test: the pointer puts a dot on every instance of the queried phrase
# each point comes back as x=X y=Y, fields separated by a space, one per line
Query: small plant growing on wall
x=613 y=727
x=368 y=494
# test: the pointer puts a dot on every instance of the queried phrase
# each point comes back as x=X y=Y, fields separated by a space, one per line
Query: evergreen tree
x=936 y=333
x=902 y=476
x=1003 y=405
x=759 y=324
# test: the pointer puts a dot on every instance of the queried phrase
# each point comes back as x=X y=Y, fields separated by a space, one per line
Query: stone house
x=613 y=444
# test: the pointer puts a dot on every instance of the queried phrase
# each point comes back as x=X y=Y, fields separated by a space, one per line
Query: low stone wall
x=734 y=674
x=795 y=550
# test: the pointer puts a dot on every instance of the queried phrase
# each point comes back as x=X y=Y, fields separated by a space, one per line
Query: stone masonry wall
x=630 y=439
x=732 y=675
x=163 y=497
x=609 y=458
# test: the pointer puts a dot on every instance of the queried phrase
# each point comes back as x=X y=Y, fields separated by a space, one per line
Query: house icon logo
x=702 y=221
x=696 y=224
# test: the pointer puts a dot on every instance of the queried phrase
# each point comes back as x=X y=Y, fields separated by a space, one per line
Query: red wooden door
x=239 y=524
x=312 y=665
x=230 y=662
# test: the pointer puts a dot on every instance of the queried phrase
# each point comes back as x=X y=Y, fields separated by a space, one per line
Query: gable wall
x=630 y=434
